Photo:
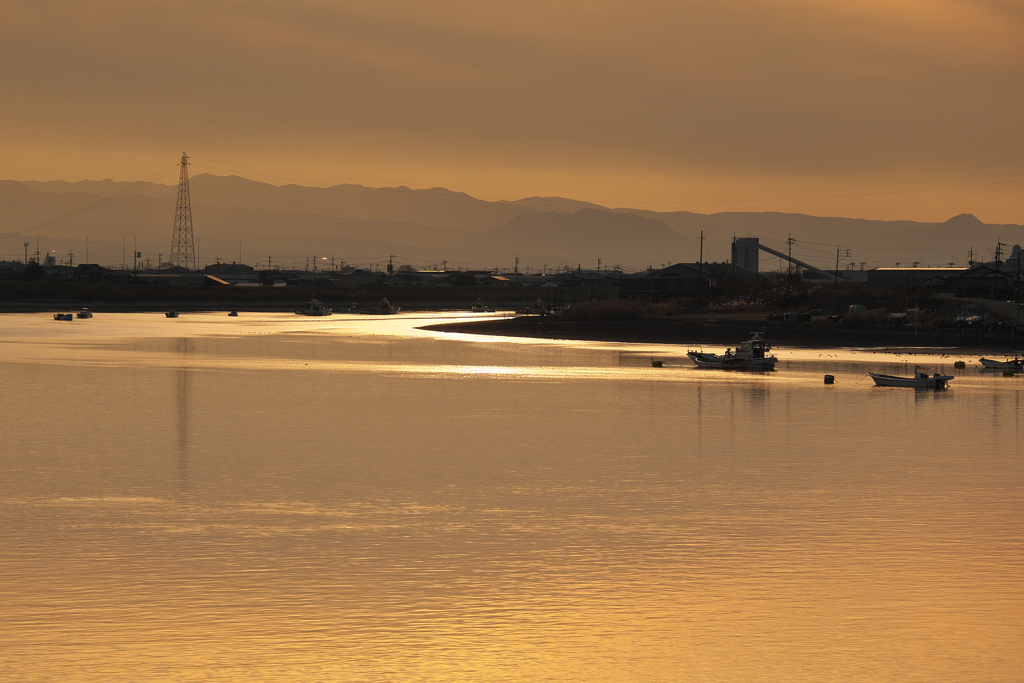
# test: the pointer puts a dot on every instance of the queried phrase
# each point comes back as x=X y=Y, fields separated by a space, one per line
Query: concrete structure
x=746 y=253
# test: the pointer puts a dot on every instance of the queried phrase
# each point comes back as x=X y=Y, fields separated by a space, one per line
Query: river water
x=280 y=498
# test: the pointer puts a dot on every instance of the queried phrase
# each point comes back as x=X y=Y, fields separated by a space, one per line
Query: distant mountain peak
x=965 y=220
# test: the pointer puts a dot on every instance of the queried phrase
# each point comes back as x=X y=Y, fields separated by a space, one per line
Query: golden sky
x=857 y=108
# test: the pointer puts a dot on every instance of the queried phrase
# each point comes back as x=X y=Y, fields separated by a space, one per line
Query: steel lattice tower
x=183 y=248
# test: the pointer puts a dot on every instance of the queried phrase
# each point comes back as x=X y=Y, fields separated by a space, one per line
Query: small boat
x=384 y=308
x=537 y=308
x=752 y=354
x=315 y=307
x=920 y=380
x=171 y=314
x=1017 y=365
x=84 y=313
x=480 y=307
x=63 y=316
x=233 y=314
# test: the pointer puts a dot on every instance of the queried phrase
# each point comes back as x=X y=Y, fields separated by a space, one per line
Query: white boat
x=384 y=307
x=1017 y=365
x=920 y=380
x=314 y=307
x=752 y=354
x=84 y=313
x=63 y=316
x=480 y=307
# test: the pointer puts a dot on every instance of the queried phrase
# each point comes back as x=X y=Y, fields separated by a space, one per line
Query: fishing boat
x=384 y=307
x=63 y=316
x=84 y=313
x=753 y=354
x=314 y=307
x=537 y=308
x=171 y=314
x=480 y=307
x=920 y=380
x=233 y=314
x=1017 y=365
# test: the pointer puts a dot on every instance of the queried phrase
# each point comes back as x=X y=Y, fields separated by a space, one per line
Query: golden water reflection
x=378 y=503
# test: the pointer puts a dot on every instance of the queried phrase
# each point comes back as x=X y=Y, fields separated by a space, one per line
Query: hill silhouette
x=363 y=225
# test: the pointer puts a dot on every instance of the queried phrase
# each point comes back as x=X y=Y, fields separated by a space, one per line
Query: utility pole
x=517 y=268
x=86 y=248
x=837 y=263
x=136 y=255
x=123 y=262
x=26 y=253
x=391 y=265
x=700 y=260
x=999 y=252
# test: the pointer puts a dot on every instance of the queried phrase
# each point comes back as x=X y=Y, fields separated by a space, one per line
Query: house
x=235 y=273
x=11 y=270
x=495 y=281
x=89 y=272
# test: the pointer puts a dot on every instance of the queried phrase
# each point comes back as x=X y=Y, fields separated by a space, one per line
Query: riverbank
x=729 y=330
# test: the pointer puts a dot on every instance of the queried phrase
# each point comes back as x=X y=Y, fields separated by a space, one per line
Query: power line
x=123 y=192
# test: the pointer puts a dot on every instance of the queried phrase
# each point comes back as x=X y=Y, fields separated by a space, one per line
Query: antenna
x=183 y=248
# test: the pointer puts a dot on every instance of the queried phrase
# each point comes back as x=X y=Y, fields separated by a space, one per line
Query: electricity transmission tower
x=183 y=248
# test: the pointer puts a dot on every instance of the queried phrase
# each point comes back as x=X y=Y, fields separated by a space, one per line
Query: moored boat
x=480 y=307
x=383 y=307
x=84 y=313
x=63 y=316
x=315 y=307
x=920 y=380
x=171 y=314
x=1017 y=365
x=753 y=354
x=536 y=308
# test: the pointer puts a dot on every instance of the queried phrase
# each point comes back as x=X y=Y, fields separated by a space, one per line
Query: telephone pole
x=183 y=248
x=700 y=261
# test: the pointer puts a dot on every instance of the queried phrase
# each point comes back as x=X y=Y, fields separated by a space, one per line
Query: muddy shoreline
x=729 y=330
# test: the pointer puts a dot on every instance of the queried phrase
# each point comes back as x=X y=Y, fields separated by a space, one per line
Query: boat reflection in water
x=752 y=354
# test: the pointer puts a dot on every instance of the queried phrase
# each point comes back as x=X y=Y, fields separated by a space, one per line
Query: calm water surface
x=352 y=499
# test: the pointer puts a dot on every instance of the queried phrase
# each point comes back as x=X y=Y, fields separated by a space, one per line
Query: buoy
x=655 y=363
x=1008 y=372
x=830 y=379
x=959 y=365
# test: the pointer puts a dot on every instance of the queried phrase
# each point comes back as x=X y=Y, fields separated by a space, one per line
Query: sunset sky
x=862 y=108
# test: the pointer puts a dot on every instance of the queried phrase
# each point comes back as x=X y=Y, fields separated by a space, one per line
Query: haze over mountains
x=361 y=226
